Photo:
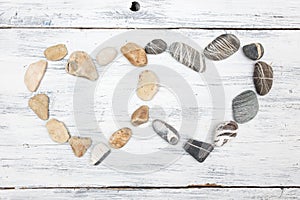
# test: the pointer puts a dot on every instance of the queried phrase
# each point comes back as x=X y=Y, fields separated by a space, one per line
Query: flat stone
x=199 y=150
x=245 y=106
x=57 y=131
x=222 y=47
x=263 y=78
x=254 y=51
x=35 y=74
x=119 y=138
x=40 y=105
x=81 y=64
x=147 y=85
x=106 y=56
x=166 y=131
x=135 y=54
x=188 y=56
x=56 y=52
x=225 y=132
x=80 y=145
x=156 y=46
x=99 y=153
x=140 y=116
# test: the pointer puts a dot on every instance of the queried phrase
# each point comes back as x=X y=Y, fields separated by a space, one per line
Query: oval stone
x=254 y=51
x=147 y=85
x=263 y=78
x=222 y=47
x=119 y=138
x=99 y=153
x=57 y=131
x=140 y=116
x=225 y=132
x=166 y=131
x=56 y=52
x=106 y=56
x=188 y=56
x=135 y=54
x=245 y=106
x=156 y=46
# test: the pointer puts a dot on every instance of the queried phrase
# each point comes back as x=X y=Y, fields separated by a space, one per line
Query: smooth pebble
x=135 y=54
x=156 y=46
x=263 y=78
x=119 y=138
x=57 y=131
x=140 y=115
x=166 y=131
x=254 y=51
x=147 y=85
x=106 y=56
x=35 y=74
x=56 y=52
x=199 y=150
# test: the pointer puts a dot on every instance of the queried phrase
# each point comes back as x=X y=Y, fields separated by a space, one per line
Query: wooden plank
x=153 y=13
x=266 y=151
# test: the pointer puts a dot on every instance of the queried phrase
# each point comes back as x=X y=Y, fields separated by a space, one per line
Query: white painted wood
x=153 y=13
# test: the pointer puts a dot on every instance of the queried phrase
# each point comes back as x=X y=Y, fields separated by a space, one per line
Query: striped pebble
x=199 y=150
x=224 y=132
x=263 y=78
x=156 y=46
x=166 y=131
x=222 y=47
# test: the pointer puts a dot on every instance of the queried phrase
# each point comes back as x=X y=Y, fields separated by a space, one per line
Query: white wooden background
x=263 y=162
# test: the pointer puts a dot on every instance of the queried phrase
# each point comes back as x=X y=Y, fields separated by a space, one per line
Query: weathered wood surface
x=153 y=13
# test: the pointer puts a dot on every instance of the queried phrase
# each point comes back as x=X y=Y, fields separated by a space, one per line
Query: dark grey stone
x=166 y=131
x=156 y=46
x=245 y=106
x=263 y=78
x=199 y=150
x=254 y=51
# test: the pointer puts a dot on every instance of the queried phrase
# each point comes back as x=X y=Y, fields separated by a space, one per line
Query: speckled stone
x=199 y=150
x=225 y=132
x=80 y=145
x=156 y=46
x=166 y=131
x=188 y=56
x=99 y=153
x=119 y=138
x=222 y=47
x=263 y=78
x=147 y=85
x=140 y=115
x=245 y=106
x=254 y=51
x=135 y=54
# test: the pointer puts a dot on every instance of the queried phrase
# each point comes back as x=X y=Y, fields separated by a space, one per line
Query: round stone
x=156 y=46
x=263 y=78
x=254 y=51
x=106 y=56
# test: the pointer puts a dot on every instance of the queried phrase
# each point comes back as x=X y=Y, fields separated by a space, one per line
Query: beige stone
x=119 y=138
x=140 y=116
x=80 y=145
x=135 y=54
x=40 y=105
x=56 y=52
x=81 y=64
x=35 y=74
x=147 y=85
x=57 y=131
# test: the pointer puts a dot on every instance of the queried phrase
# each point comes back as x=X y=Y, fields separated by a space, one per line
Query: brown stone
x=119 y=138
x=57 y=131
x=35 y=74
x=80 y=145
x=263 y=78
x=140 y=116
x=147 y=85
x=40 y=105
x=135 y=54
x=56 y=52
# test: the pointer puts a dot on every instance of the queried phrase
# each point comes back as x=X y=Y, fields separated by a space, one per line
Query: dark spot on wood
x=135 y=6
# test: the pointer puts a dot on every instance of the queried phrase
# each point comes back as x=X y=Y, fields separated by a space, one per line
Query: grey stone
x=199 y=150
x=245 y=106
x=99 y=153
x=156 y=46
x=188 y=56
x=166 y=131
x=263 y=78
x=225 y=132
x=254 y=51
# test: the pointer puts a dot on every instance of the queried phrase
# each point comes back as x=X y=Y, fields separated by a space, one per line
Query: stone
x=147 y=85
x=199 y=150
x=135 y=6
x=156 y=46
x=166 y=131
x=81 y=64
x=80 y=145
x=99 y=153
x=40 y=105
x=35 y=74
x=140 y=116
x=254 y=51
x=106 y=56
x=119 y=138
x=263 y=78
x=188 y=56
x=225 y=132
x=135 y=54
x=222 y=47
x=57 y=131
x=245 y=106
x=56 y=52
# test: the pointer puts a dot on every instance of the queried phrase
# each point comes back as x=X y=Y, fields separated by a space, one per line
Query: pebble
x=35 y=74
x=106 y=56
x=225 y=132
x=188 y=56
x=166 y=131
x=57 y=131
x=140 y=116
x=245 y=106
x=135 y=54
x=156 y=46
x=263 y=78
x=80 y=145
x=222 y=47
x=199 y=150
x=40 y=105
x=147 y=85
x=119 y=138
x=81 y=64
x=135 y=6
x=99 y=153
x=56 y=52
x=254 y=51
